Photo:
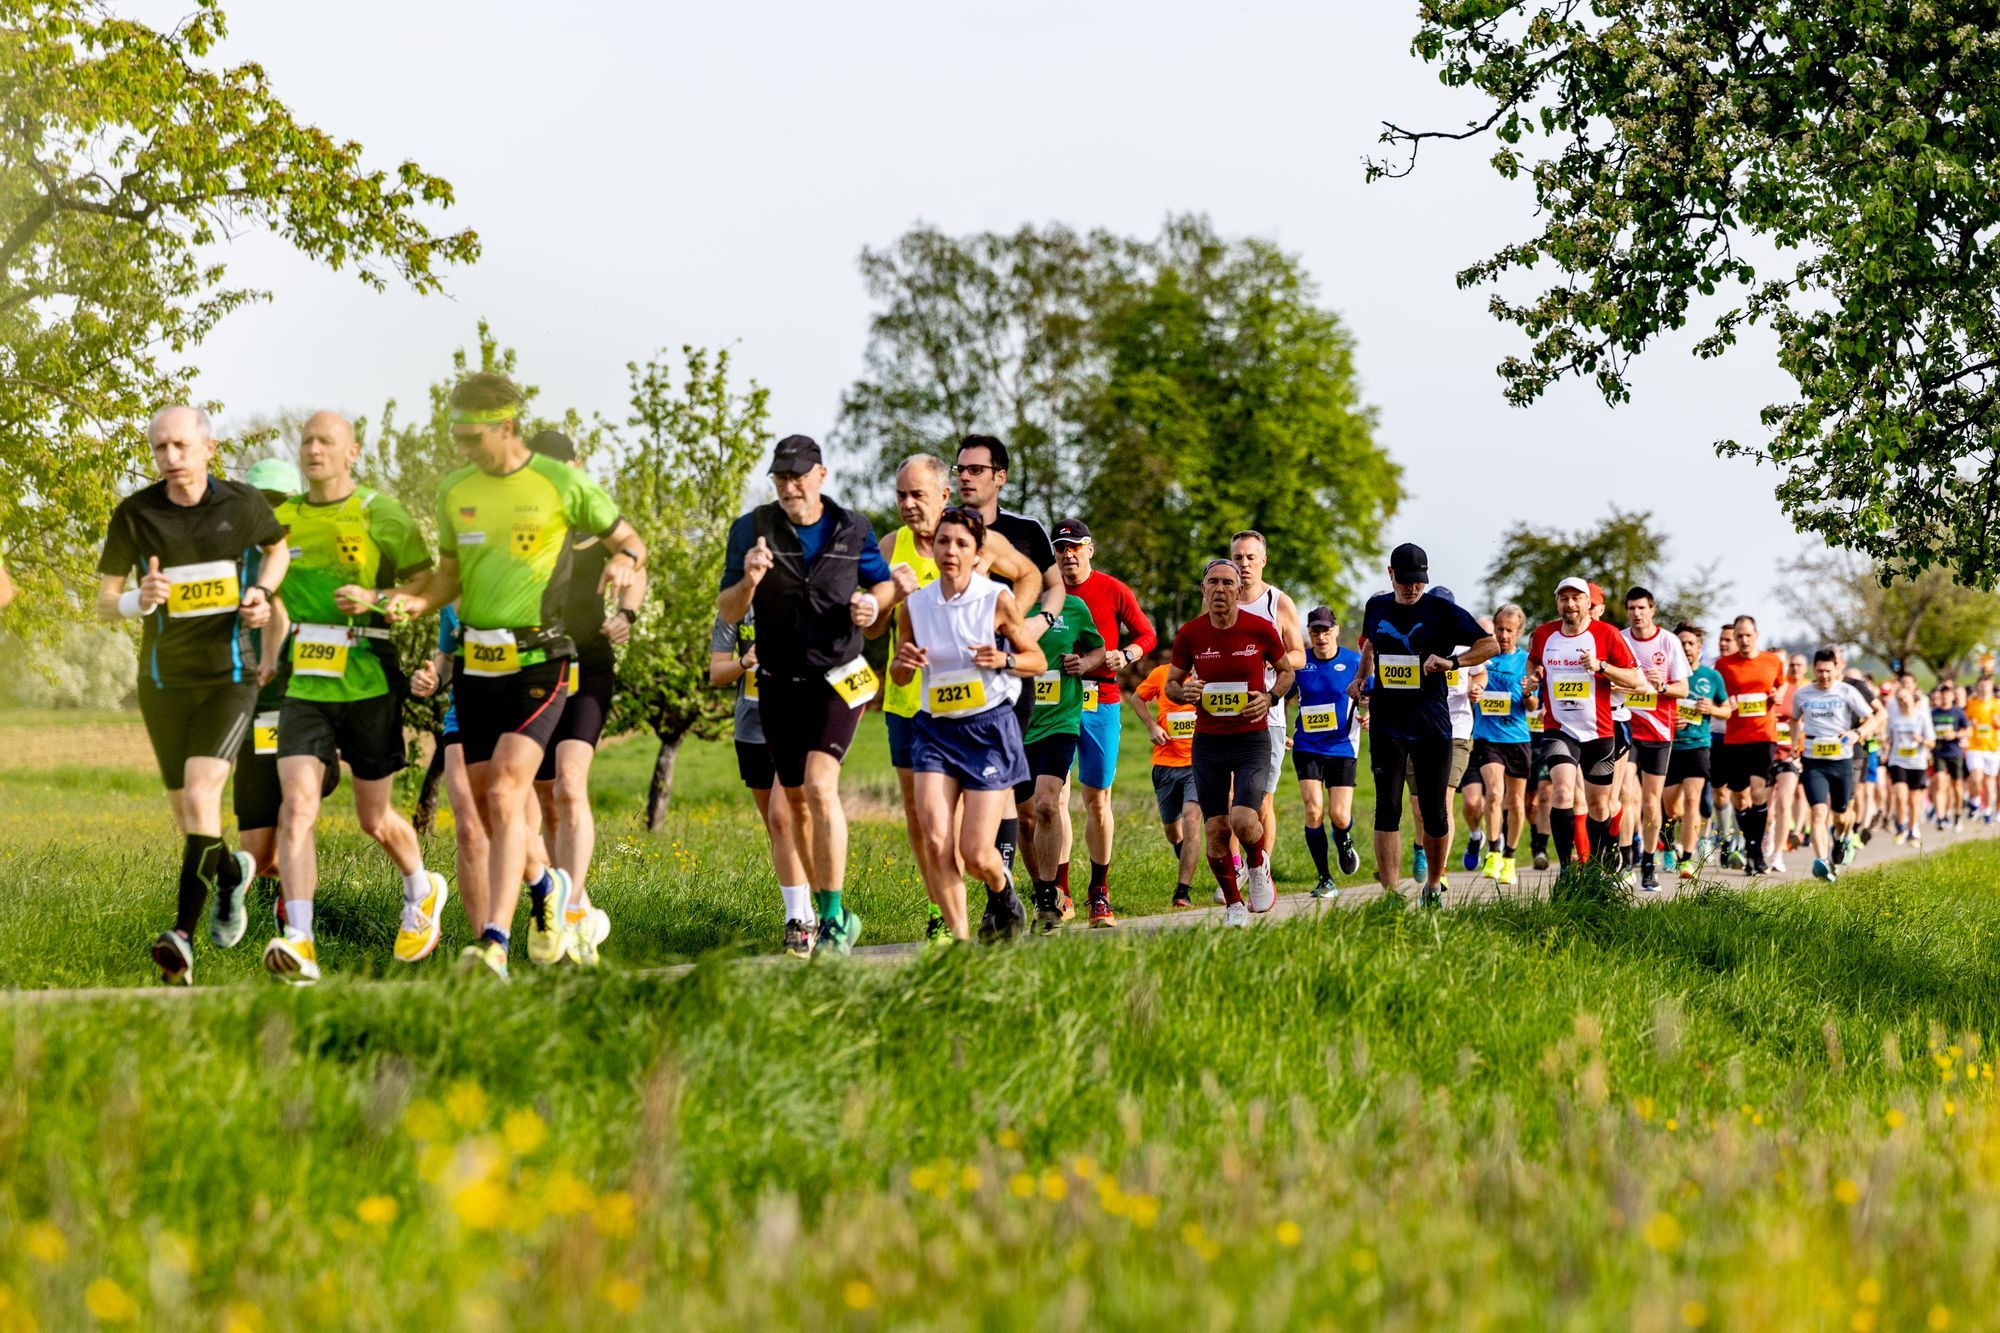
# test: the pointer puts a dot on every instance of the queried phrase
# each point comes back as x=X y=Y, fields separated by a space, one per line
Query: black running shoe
x=1183 y=899
x=1350 y=857
x=800 y=938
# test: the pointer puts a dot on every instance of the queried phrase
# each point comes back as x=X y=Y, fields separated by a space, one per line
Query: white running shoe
x=1778 y=864
x=1219 y=899
x=1236 y=914
x=1263 y=889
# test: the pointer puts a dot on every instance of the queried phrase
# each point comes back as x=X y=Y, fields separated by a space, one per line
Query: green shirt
x=1704 y=683
x=1059 y=695
x=366 y=538
x=511 y=537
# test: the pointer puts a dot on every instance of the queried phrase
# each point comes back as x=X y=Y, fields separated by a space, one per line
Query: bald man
x=345 y=699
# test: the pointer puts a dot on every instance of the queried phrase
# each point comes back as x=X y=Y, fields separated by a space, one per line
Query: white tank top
x=1265 y=604
x=953 y=686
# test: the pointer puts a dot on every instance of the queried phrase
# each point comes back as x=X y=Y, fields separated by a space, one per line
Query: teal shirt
x=1703 y=683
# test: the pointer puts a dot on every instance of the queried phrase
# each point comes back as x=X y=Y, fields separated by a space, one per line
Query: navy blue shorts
x=1829 y=782
x=900 y=731
x=982 y=752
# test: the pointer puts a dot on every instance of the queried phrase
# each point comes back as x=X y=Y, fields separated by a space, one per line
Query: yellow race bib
x=1644 y=700
x=491 y=652
x=854 y=681
x=1180 y=726
x=1319 y=717
x=1048 y=689
x=208 y=589
x=1752 y=705
x=949 y=693
x=1226 y=698
x=1689 y=710
x=1573 y=690
x=1825 y=749
x=320 y=650
x=1397 y=671
x=750 y=683
x=1496 y=705
x=1090 y=696
x=264 y=733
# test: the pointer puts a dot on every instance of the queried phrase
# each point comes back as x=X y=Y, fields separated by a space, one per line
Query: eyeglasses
x=971 y=469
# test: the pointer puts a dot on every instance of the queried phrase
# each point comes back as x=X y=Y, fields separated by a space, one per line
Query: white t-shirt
x=1907 y=734
x=1662 y=652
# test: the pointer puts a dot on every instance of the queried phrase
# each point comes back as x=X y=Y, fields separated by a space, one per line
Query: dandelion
x=970 y=1178
x=108 y=1301
x=614 y=1215
x=1673 y=1125
x=482 y=1205
x=622 y=1294
x=1663 y=1232
x=1084 y=1168
x=1022 y=1185
x=1145 y=1210
x=1863 y=1321
x=1362 y=1261
x=1054 y=1188
x=1009 y=1138
x=377 y=1210
x=46 y=1242
x=424 y=1120
x=857 y=1295
x=1642 y=1106
x=1847 y=1192
x=922 y=1178
x=1894 y=1119
x=524 y=1131
x=242 y=1317
x=1288 y=1233
x=1869 y=1292
x=1694 y=1314
x=467 y=1103
x=563 y=1194
x=1939 y=1318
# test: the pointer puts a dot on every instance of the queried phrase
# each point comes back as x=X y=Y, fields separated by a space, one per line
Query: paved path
x=1466 y=888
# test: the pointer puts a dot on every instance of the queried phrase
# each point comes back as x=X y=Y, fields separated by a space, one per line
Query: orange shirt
x=1178 y=752
x=1984 y=715
x=1754 y=683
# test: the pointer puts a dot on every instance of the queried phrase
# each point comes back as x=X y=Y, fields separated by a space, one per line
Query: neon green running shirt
x=368 y=539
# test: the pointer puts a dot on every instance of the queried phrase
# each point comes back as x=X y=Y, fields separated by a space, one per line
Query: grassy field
x=1759 y=1110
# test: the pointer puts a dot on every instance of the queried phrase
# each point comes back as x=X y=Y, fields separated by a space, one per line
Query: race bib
x=575 y=677
x=1983 y=731
x=1180 y=725
x=750 y=683
x=1752 y=705
x=1225 y=698
x=264 y=733
x=1397 y=671
x=949 y=693
x=321 y=650
x=1496 y=705
x=1909 y=750
x=1689 y=710
x=1574 y=690
x=1825 y=750
x=1453 y=678
x=1090 y=696
x=208 y=589
x=491 y=652
x=1319 y=717
x=1784 y=732
x=854 y=681
x=1642 y=699
x=1048 y=689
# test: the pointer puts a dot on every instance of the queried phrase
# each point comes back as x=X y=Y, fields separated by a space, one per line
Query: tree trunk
x=662 y=789
x=424 y=817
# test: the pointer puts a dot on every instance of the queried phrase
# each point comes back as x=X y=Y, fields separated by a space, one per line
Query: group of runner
x=269 y=609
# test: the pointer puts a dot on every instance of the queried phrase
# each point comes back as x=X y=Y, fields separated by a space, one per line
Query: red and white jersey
x=1577 y=702
x=1653 y=712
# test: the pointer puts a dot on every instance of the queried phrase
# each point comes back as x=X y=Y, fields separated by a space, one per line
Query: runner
x=1982 y=747
x=1230 y=667
x=1071 y=649
x=1459 y=686
x=505 y=524
x=189 y=535
x=1688 y=765
x=1251 y=553
x=807 y=563
x=732 y=663
x=1948 y=797
x=1722 y=809
x=967 y=748
x=1324 y=744
x=1410 y=643
x=1750 y=736
x=1170 y=727
x=1663 y=662
x=1828 y=716
x=562 y=783
x=253 y=788
x=1575 y=663
x=1911 y=738
x=345 y=697
x=1785 y=771
x=923 y=488
x=1120 y=621
x=1501 y=750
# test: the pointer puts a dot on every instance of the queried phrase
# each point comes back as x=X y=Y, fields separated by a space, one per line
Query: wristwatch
x=1010 y=661
x=1047 y=615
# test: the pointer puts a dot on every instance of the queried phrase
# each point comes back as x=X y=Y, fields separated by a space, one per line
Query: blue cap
x=1441 y=591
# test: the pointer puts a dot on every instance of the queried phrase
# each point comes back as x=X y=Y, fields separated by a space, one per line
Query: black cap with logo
x=795 y=453
x=1070 y=531
x=1321 y=617
x=1409 y=564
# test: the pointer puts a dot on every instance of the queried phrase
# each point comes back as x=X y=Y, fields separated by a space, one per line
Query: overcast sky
x=644 y=175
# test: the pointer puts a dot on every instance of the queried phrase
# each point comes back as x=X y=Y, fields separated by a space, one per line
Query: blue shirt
x=812 y=540
x=448 y=643
x=1503 y=681
x=1318 y=683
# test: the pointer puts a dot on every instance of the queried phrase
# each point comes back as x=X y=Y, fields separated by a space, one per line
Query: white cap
x=1573 y=584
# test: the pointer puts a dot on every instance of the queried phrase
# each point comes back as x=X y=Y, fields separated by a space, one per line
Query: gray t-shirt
x=740 y=639
x=1825 y=716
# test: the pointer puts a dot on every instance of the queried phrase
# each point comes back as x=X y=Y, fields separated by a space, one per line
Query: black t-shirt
x=1428 y=627
x=197 y=637
x=583 y=604
x=1029 y=537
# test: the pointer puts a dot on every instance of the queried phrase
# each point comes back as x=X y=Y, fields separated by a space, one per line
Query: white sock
x=416 y=886
x=299 y=918
x=798 y=902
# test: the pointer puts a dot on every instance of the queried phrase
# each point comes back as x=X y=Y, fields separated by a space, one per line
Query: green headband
x=490 y=416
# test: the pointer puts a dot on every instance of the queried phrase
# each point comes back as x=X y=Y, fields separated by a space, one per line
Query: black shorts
x=1792 y=765
x=1916 y=779
x=1688 y=762
x=367 y=733
x=253 y=788
x=1335 y=770
x=1828 y=782
x=1598 y=759
x=1736 y=765
x=1950 y=765
x=1048 y=757
x=801 y=716
x=195 y=722
x=583 y=716
x=1173 y=792
x=1652 y=758
x=1514 y=758
x=1231 y=768
x=528 y=703
x=753 y=765
x=1425 y=765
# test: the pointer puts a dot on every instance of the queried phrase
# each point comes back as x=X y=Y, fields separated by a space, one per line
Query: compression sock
x=1617 y=825
x=1538 y=842
x=1045 y=895
x=201 y=864
x=1603 y=845
x=1562 y=824
x=1100 y=878
x=1342 y=834
x=1009 y=838
x=1316 y=844
x=827 y=903
x=1758 y=817
x=1062 y=880
x=1224 y=870
x=1580 y=831
x=299 y=919
x=1253 y=855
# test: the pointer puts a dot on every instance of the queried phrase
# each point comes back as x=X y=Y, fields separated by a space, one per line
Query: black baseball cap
x=553 y=444
x=795 y=453
x=1070 y=530
x=1409 y=564
x=1321 y=617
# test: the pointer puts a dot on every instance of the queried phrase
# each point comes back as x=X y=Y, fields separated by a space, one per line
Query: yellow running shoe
x=418 y=935
x=1506 y=875
x=589 y=926
x=291 y=961
x=486 y=955
x=1491 y=868
x=549 y=934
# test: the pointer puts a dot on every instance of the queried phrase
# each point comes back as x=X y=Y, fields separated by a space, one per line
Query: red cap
x=1596 y=595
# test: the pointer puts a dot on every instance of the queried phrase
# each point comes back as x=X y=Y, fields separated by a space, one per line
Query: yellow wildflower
x=1663 y=1232
x=1288 y=1233
x=377 y=1210
x=46 y=1242
x=1847 y=1192
x=467 y=1103
x=108 y=1301
x=1694 y=1314
x=857 y=1294
x=622 y=1294
x=524 y=1131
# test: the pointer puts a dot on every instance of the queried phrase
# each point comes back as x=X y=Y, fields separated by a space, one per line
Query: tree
x=1858 y=136
x=1229 y=401
x=679 y=480
x=1621 y=552
x=122 y=159
x=1929 y=618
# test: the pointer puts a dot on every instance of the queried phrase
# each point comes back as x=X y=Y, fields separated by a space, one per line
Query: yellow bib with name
x=1397 y=672
x=320 y=650
x=207 y=589
x=854 y=681
x=491 y=652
